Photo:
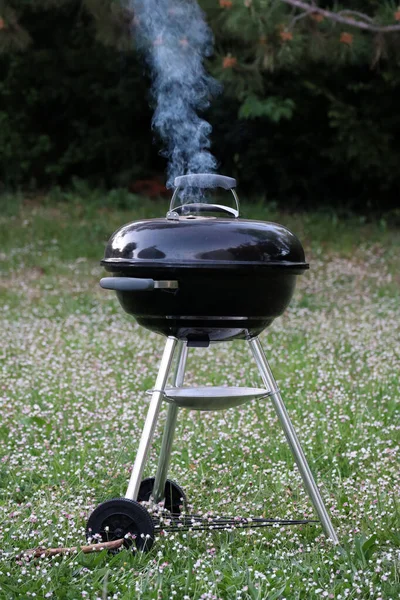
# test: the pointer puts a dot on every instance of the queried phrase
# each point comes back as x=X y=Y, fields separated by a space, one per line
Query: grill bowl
x=234 y=276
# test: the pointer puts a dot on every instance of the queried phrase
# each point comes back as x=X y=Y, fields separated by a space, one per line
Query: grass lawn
x=74 y=369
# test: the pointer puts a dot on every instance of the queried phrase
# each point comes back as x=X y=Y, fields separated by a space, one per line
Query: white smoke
x=175 y=39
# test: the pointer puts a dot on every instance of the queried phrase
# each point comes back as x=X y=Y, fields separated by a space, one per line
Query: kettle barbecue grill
x=198 y=278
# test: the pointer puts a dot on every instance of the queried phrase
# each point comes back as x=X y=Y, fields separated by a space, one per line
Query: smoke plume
x=175 y=39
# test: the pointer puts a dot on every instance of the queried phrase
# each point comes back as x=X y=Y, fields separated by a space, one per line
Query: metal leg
x=151 y=420
x=169 y=428
x=301 y=461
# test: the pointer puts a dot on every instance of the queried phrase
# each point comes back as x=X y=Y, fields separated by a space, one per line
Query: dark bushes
x=72 y=107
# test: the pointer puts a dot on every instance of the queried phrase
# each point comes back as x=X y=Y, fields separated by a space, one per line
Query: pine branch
x=366 y=23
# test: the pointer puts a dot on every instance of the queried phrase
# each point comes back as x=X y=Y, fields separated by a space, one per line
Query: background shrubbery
x=74 y=103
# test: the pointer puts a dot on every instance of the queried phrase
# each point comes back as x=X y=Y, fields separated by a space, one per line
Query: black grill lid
x=196 y=241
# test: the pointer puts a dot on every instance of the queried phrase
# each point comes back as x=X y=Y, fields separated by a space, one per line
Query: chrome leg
x=301 y=461
x=169 y=428
x=151 y=420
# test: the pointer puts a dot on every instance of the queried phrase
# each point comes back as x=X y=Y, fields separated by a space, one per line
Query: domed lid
x=190 y=241
x=186 y=238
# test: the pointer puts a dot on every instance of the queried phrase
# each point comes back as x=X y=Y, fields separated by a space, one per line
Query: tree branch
x=367 y=24
x=356 y=14
x=297 y=18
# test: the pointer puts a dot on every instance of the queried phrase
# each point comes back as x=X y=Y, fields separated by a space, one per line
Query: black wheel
x=121 y=517
x=175 y=497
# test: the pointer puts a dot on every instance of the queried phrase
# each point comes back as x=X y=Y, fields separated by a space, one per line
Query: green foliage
x=269 y=35
x=273 y=108
x=340 y=144
x=366 y=548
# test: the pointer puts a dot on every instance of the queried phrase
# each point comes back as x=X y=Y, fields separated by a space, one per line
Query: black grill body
x=233 y=276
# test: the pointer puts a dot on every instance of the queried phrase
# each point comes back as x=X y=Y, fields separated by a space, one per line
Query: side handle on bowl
x=135 y=284
x=127 y=284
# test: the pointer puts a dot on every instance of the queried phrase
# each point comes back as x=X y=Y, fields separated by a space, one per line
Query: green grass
x=73 y=374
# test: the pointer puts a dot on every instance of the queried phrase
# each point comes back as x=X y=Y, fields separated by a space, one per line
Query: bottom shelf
x=212 y=397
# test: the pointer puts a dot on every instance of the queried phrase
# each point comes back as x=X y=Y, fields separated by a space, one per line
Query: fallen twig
x=48 y=552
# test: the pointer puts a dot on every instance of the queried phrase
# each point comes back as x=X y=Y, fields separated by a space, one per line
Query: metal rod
x=223 y=526
x=151 y=420
x=169 y=428
x=297 y=451
x=179 y=518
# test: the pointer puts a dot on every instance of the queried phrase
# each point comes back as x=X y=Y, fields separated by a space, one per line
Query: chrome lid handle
x=202 y=181
x=205 y=180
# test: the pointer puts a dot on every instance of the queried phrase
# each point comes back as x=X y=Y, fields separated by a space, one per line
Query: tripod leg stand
x=151 y=419
x=293 y=441
x=169 y=427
